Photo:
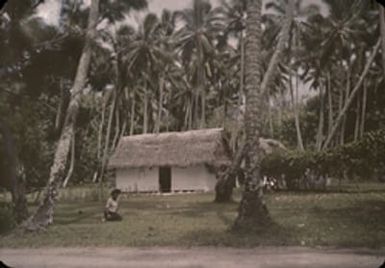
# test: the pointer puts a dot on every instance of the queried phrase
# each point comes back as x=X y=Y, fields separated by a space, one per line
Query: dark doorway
x=164 y=179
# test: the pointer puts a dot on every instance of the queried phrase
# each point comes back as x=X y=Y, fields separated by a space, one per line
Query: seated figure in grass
x=112 y=206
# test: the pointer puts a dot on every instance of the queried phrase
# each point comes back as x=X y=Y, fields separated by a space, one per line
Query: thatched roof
x=171 y=149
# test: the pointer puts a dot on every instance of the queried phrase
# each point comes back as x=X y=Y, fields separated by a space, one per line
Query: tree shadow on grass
x=204 y=208
x=270 y=236
x=75 y=213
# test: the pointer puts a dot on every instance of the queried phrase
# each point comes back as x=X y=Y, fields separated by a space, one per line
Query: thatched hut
x=169 y=162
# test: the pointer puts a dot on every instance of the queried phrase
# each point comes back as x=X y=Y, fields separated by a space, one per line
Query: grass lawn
x=352 y=218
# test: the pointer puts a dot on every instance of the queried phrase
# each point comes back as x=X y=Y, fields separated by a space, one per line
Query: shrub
x=7 y=220
x=361 y=159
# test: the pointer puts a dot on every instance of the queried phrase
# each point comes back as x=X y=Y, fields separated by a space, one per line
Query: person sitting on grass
x=112 y=206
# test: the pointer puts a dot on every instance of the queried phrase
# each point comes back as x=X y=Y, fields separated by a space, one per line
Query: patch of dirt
x=192 y=258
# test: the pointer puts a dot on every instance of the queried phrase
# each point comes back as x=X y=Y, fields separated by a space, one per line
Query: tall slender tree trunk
x=284 y=38
x=382 y=30
x=294 y=100
x=117 y=130
x=203 y=103
x=189 y=114
x=253 y=213
x=72 y=163
x=270 y=117
x=330 y=102
x=107 y=141
x=160 y=104
x=132 y=115
x=241 y=98
x=63 y=103
x=352 y=95
x=105 y=101
x=202 y=90
x=363 y=110
x=357 y=124
x=346 y=97
x=44 y=214
x=145 y=112
x=320 y=132
x=196 y=110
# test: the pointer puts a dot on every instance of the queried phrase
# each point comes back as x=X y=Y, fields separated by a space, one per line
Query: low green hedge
x=362 y=159
x=7 y=220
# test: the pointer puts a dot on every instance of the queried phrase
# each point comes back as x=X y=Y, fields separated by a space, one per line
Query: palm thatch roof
x=181 y=149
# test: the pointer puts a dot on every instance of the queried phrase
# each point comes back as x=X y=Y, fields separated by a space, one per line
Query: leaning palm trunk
x=44 y=214
x=252 y=211
x=357 y=124
x=363 y=111
x=268 y=78
x=352 y=95
x=72 y=163
x=345 y=98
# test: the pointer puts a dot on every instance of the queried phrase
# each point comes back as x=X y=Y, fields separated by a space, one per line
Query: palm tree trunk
x=226 y=180
x=330 y=102
x=203 y=101
x=357 y=124
x=241 y=98
x=321 y=119
x=44 y=214
x=346 y=97
x=63 y=103
x=294 y=100
x=270 y=118
x=132 y=115
x=279 y=102
x=145 y=112
x=253 y=213
x=160 y=104
x=106 y=150
x=352 y=95
x=117 y=131
x=72 y=164
x=101 y=126
x=363 y=111
x=268 y=78
x=382 y=30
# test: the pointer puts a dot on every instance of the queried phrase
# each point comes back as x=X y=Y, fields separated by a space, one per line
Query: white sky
x=50 y=10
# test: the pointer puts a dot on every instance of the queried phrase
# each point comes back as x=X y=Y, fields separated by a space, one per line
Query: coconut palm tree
x=195 y=40
x=252 y=210
x=44 y=214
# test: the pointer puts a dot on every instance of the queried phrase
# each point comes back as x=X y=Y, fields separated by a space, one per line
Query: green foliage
x=362 y=159
x=7 y=220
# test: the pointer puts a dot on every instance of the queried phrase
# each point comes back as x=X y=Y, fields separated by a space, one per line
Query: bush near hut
x=7 y=219
x=363 y=159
